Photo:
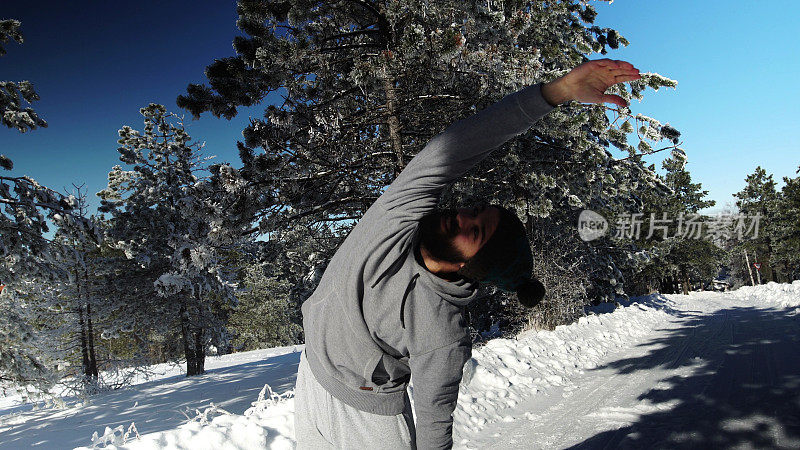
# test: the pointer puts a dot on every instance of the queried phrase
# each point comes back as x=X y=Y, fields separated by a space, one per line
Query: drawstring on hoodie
x=394 y=267
x=410 y=286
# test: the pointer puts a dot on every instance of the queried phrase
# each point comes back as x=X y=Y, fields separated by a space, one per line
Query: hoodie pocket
x=389 y=375
x=379 y=374
x=369 y=370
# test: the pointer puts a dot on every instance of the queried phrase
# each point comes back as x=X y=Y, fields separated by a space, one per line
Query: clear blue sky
x=96 y=63
x=737 y=63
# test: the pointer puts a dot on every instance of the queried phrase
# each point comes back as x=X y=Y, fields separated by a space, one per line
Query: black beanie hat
x=506 y=261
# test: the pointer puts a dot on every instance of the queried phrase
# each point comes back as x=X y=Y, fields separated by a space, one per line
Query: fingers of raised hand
x=626 y=76
x=618 y=75
x=615 y=71
x=615 y=99
x=613 y=64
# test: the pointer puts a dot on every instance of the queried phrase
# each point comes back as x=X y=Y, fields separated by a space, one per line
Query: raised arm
x=464 y=144
x=457 y=149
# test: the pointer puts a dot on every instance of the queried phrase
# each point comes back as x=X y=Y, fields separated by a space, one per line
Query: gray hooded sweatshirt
x=378 y=316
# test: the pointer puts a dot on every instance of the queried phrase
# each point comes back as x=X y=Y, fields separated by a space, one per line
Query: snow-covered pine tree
x=759 y=197
x=363 y=85
x=82 y=313
x=25 y=365
x=786 y=232
x=14 y=95
x=264 y=316
x=135 y=327
x=673 y=260
x=22 y=222
x=75 y=294
x=161 y=210
x=26 y=256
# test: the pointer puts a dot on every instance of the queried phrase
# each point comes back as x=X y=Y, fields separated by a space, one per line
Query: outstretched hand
x=588 y=83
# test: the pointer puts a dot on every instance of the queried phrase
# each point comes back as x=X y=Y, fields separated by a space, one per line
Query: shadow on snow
x=741 y=386
x=161 y=404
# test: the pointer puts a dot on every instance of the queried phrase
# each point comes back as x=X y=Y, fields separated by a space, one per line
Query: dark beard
x=440 y=244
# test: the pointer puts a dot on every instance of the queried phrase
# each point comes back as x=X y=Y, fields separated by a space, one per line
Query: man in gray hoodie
x=389 y=306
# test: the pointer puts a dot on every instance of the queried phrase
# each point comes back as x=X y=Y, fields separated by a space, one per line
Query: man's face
x=456 y=235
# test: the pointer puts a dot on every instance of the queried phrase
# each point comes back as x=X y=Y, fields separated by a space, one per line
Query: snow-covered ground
x=708 y=370
x=232 y=383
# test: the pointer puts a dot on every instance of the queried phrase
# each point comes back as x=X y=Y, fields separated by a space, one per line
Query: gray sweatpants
x=321 y=421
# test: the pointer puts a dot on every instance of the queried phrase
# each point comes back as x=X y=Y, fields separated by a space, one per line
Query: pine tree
x=760 y=198
x=76 y=293
x=677 y=258
x=364 y=85
x=13 y=95
x=264 y=316
x=161 y=219
x=785 y=231
x=82 y=312
x=25 y=201
x=26 y=255
x=692 y=259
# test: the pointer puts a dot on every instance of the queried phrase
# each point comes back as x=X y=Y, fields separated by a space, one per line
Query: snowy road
x=724 y=373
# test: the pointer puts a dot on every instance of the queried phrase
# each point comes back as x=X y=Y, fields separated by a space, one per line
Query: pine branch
x=349 y=47
x=671 y=147
x=351 y=33
x=370 y=7
x=36 y=204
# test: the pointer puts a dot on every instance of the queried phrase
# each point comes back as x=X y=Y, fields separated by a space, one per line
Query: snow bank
x=269 y=423
x=783 y=295
x=505 y=371
x=155 y=372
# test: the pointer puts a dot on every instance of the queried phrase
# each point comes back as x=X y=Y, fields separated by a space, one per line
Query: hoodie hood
x=459 y=292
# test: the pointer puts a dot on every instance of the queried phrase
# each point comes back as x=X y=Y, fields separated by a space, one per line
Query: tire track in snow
x=505 y=372
x=608 y=398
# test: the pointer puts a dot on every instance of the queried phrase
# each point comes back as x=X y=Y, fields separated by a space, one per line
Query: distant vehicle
x=722 y=282
x=720 y=285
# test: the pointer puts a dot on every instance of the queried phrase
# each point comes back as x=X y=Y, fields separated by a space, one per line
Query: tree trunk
x=779 y=274
x=93 y=372
x=749 y=271
x=767 y=262
x=199 y=345
x=685 y=281
x=92 y=354
x=84 y=346
x=393 y=121
x=192 y=338
x=199 y=352
x=675 y=283
x=188 y=350
x=85 y=362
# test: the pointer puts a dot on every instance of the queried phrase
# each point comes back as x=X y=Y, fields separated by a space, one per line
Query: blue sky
x=737 y=63
x=94 y=65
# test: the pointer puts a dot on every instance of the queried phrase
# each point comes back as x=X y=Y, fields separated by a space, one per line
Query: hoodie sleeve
x=460 y=147
x=436 y=376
